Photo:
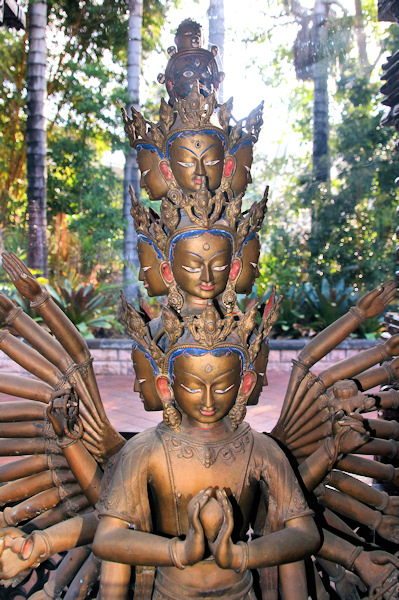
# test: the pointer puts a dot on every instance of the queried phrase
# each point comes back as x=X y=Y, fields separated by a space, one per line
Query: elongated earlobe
x=166 y=273
x=229 y=166
x=165 y=170
x=171 y=416
x=162 y=385
x=236 y=267
x=248 y=383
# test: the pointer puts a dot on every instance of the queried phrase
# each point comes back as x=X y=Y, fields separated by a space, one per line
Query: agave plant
x=89 y=307
x=327 y=302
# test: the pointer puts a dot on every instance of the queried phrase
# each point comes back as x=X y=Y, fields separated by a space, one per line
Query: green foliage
x=87 y=56
x=340 y=231
x=89 y=307
x=306 y=309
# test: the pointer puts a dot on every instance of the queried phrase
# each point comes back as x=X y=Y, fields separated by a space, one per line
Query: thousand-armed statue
x=201 y=506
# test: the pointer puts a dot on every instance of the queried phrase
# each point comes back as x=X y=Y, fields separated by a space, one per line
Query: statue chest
x=180 y=468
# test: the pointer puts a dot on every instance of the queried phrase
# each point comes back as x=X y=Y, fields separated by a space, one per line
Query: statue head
x=189 y=35
x=243 y=155
x=146 y=371
x=150 y=259
x=196 y=153
x=249 y=255
x=206 y=385
x=259 y=366
x=190 y=65
x=200 y=264
x=207 y=362
x=152 y=179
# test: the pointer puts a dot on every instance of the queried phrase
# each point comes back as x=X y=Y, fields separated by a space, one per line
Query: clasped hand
x=212 y=520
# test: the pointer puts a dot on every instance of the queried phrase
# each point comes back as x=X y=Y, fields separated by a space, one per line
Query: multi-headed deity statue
x=201 y=506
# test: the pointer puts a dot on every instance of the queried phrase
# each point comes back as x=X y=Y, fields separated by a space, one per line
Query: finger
x=228 y=521
x=390 y=296
x=385 y=560
x=9 y=269
x=204 y=498
x=194 y=519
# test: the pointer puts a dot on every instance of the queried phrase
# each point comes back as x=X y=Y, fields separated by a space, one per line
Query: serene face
x=201 y=265
x=149 y=272
x=205 y=387
x=196 y=155
x=144 y=383
x=260 y=364
x=242 y=176
x=249 y=272
x=151 y=177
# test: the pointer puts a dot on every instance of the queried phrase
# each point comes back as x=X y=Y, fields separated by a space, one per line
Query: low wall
x=112 y=357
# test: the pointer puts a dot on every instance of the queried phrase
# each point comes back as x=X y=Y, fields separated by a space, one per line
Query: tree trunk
x=361 y=38
x=131 y=172
x=216 y=32
x=321 y=159
x=36 y=145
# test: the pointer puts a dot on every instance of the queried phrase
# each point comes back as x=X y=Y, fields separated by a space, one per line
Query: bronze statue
x=202 y=506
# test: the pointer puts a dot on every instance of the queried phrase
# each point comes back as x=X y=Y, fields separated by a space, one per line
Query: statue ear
x=230 y=165
x=166 y=273
x=236 y=267
x=162 y=385
x=248 y=382
x=165 y=170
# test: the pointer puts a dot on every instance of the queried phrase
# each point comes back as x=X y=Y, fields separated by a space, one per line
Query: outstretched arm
x=18 y=552
x=371 y=305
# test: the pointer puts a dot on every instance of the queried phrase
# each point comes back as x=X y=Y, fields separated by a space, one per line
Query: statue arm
x=298 y=539
x=63 y=414
x=115 y=542
x=19 y=553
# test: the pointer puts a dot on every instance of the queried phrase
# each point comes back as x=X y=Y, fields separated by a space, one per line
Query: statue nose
x=200 y=168
x=208 y=400
x=136 y=387
x=207 y=274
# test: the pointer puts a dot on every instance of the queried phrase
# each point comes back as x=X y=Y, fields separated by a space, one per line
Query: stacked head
x=210 y=362
x=201 y=249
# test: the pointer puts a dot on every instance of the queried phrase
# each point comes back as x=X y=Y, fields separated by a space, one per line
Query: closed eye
x=189 y=389
x=184 y=164
x=220 y=268
x=192 y=269
x=224 y=391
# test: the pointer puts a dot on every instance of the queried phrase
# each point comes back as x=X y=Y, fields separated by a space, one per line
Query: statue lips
x=207 y=412
x=207 y=287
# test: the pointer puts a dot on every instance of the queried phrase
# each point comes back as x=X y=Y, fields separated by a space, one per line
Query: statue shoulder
x=266 y=448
